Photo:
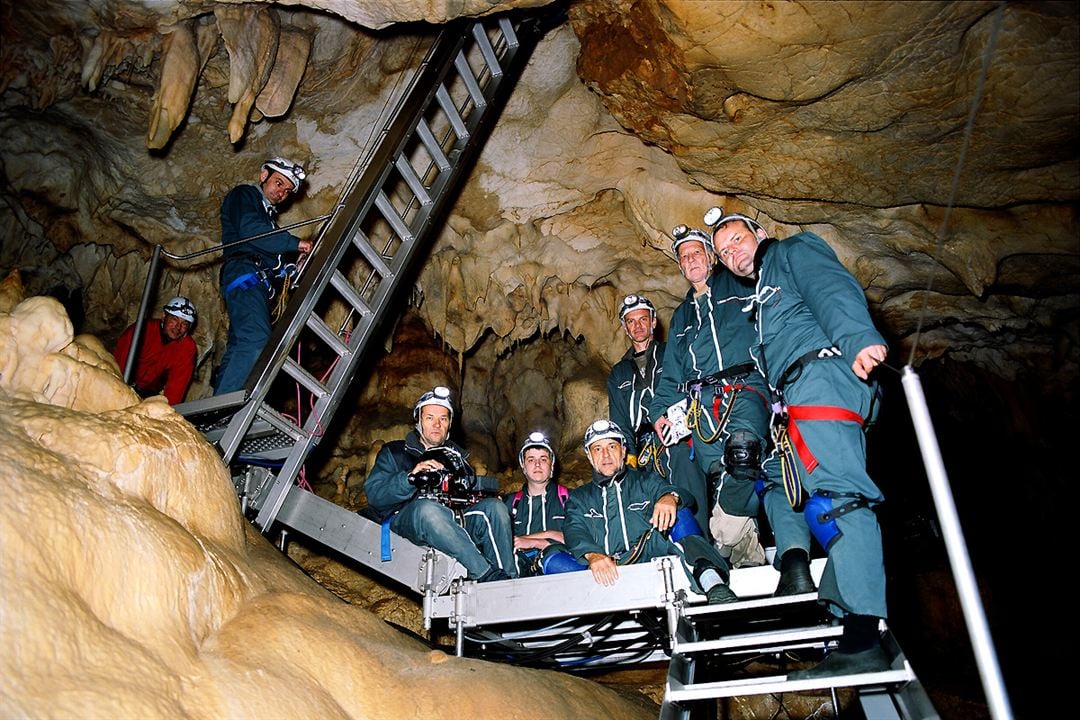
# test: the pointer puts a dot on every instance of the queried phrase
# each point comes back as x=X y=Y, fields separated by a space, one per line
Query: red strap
x=815 y=412
x=718 y=398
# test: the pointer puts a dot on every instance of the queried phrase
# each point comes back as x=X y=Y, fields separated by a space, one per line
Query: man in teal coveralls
x=630 y=388
x=817 y=347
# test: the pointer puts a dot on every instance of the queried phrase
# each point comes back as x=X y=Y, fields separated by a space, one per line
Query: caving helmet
x=684 y=234
x=536 y=439
x=438 y=395
x=631 y=303
x=602 y=430
x=715 y=217
x=182 y=308
x=293 y=172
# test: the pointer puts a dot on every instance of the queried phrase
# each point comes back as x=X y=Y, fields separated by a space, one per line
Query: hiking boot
x=842 y=663
x=720 y=593
x=494 y=574
x=795 y=579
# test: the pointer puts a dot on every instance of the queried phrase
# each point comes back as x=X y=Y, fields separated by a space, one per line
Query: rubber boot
x=795 y=578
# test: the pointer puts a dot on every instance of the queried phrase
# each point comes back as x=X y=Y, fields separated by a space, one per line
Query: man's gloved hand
x=631 y=461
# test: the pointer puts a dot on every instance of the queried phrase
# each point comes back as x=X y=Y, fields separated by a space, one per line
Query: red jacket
x=160 y=367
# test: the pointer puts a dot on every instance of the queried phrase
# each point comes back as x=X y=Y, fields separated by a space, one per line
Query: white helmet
x=536 y=439
x=438 y=395
x=181 y=307
x=293 y=172
x=715 y=217
x=631 y=303
x=603 y=430
x=683 y=234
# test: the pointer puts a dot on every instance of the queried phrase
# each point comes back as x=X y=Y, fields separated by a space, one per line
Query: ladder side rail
x=352 y=211
x=326 y=406
x=359 y=538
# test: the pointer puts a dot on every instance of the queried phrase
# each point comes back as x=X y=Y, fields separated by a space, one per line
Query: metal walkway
x=372 y=242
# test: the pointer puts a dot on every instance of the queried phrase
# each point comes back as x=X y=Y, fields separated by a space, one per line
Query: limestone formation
x=133 y=587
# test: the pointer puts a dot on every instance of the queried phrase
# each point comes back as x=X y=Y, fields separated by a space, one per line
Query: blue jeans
x=249 y=329
x=483 y=543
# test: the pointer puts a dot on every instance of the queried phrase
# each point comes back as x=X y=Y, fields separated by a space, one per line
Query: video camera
x=455 y=484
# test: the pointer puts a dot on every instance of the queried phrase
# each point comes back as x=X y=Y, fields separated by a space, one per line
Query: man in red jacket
x=166 y=360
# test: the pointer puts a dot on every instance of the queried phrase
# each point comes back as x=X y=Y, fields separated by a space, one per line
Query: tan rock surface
x=133 y=588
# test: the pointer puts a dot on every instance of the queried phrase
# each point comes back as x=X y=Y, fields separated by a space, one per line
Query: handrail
x=152 y=278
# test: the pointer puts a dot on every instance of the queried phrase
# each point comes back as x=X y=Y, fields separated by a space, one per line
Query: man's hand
x=528 y=542
x=427 y=465
x=664 y=512
x=664 y=428
x=868 y=359
x=603 y=567
x=304 y=246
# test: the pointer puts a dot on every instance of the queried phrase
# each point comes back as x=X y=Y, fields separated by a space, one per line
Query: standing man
x=405 y=485
x=537 y=509
x=249 y=268
x=621 y=517
x=707 y=364
x=818 y=346
x=630 y=387
x=166 y=360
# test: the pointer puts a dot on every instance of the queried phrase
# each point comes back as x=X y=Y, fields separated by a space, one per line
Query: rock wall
x=132 y=587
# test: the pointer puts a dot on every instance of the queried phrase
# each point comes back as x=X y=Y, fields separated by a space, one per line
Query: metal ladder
x=722 y=638
x=372 y=241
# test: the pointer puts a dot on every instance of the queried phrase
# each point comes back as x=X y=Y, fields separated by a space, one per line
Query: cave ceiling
x=123 y=124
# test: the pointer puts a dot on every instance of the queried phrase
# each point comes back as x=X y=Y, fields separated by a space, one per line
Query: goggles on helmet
x=182 y=308
x=635 y=302
x=684 y=234
x=438 y=395
x=536 y=439
x=293 y=171
x=603 y=430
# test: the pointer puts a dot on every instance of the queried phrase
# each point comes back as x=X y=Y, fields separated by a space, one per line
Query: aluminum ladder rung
x=471 y=84
x=328 y=336
x=452 y=114
x=677 y=692
x=279 y=422
x=434 y=149
x=302 y=376
x=349 y=293
x=390 y=214
x=763 y=640
x=491 y=60
x=373 y=256
x=412 y=180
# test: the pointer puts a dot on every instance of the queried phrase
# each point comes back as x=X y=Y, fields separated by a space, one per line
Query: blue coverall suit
x=536 y=513
x=483 y=543
x=246 y=212
x=610 y=519
x=806 y=300
x=630 y=390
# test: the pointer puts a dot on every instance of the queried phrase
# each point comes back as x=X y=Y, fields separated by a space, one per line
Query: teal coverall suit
x=806 y=301
x=630 y=390
x=610 y=518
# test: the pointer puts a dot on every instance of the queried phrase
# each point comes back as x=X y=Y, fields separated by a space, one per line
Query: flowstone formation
x=133 y=587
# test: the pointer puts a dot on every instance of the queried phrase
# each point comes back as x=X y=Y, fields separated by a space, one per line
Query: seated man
x=412 y=485
x=621 y=517
x=536 y=510
x=166 y=359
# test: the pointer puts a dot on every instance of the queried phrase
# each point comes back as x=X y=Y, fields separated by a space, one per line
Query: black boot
x=720 y=594
x=493 y=574
x=845 y=663
x=795 y=576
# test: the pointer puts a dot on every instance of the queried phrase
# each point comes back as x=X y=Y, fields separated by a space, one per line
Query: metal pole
x=981 y=643
x=140 y=321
